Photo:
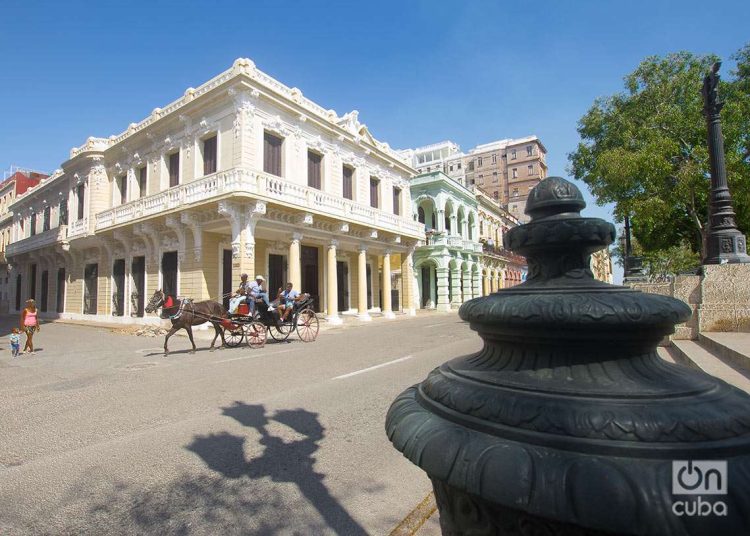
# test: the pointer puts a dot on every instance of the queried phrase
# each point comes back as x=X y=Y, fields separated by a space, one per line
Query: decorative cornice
x=346 y=125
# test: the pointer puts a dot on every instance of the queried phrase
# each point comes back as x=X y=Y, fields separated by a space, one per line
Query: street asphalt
x=100 y=434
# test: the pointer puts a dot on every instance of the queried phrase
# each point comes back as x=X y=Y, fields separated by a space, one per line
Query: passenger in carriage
x=240 y=295
x=287 y=298
x=257 y=292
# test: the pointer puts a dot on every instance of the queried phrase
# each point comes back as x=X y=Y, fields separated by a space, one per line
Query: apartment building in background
x=505 y=170
x=15 y=182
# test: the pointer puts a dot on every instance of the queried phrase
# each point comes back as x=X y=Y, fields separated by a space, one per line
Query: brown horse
x=185 y=314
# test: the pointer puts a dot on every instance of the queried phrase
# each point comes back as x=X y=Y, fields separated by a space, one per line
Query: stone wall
x=725 y=289
x=719 y=299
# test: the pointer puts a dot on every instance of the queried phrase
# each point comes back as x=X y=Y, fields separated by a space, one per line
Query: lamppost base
x=726 y=247
x=463 y=513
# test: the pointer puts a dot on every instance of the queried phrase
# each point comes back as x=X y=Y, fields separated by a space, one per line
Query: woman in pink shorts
x=29 y=324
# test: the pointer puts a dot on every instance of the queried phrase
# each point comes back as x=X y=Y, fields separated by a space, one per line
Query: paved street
x=101 y=434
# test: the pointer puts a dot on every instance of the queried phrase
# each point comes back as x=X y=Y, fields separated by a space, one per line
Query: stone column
x=332 y=303
x=362 y=284
x=440 y=220
x=456 y=299
x=243 y=219
x=476 y=288
x=485 y=285
x=443 y=302
x=295 y=266
x=407 y=281
x=386 y=305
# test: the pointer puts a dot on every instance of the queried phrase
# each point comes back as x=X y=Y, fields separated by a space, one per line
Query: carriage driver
x=240 y=296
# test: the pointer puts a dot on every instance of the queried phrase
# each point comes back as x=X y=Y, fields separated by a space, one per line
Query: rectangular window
x=123 y=189
x=531 y=170
x=529 y=150
x=479 y=162
x=515 y=173
x=209 y=155
x=396 y=201
x=47 y=218
x=272 y=154
x=33 y=224
x=142 y=185
x=81 y=196
x=348 y=182
x=458 y=166
x=314 y=169
x=515 y=192
x=451 y=168
x=494 y=194
x=63 y=210
x=374 y=192
x=174 y=169
x=513 y=154
x=494 y=159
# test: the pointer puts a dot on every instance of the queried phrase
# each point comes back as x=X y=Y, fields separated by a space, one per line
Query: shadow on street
x=281 y=461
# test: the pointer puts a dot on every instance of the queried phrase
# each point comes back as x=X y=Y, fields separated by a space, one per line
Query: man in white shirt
x=256 y=291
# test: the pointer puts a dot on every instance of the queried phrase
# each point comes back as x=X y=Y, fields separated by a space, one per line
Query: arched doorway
x=427 y=279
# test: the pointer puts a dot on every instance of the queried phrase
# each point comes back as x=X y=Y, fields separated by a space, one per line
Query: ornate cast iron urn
x=567 y=421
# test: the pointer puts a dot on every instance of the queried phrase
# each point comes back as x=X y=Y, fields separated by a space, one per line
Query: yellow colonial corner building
x=240 y=175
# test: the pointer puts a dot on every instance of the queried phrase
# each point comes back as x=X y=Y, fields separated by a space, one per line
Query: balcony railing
x=452 y=242
x=263 y=185
x=45 y=238
x=78 y=228
x=504 y=253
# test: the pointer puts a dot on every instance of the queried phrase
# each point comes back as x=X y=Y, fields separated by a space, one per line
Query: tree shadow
x=189 y=504
x=282 y=461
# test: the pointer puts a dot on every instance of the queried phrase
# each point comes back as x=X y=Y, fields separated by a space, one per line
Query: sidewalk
x=206 y=332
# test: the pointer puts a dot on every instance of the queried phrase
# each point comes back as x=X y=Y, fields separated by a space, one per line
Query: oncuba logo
x=699 y=477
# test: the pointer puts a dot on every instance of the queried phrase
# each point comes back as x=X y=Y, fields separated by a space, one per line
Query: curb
x=416 y=518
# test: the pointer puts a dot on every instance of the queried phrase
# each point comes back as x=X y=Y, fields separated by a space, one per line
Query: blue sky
x=418 y=71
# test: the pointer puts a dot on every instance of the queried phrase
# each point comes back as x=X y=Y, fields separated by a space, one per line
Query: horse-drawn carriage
x=244 y=325
x=236 y=328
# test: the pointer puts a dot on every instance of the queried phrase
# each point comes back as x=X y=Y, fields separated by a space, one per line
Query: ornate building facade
x=601 y=266
x=459 y=258
x=15 y=182
x=240 y=175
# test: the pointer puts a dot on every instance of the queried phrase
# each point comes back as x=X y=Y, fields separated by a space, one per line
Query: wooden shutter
x=272 y=154
x=81 y=196
x=142 y=181
x=348 y=179
x=373 y=192
x=123 y=189
x=209 y=156
x=313 y=169
x=174 y=169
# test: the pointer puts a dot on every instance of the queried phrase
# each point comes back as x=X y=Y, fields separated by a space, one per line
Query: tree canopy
x=645 y=150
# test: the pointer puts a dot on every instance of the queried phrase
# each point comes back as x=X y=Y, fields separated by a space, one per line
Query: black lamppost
x=632 y=266
x=725 y=243
x=568 y=421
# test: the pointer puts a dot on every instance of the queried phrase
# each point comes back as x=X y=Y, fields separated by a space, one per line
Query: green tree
x=645 y=150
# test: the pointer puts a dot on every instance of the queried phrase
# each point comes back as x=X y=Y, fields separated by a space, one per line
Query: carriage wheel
x=233 y=337
x=280 y=333
x=307 y=325
x=255 y=335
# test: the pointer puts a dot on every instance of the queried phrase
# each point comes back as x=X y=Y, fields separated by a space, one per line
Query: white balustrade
x=40 y=240
x=269 y=186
